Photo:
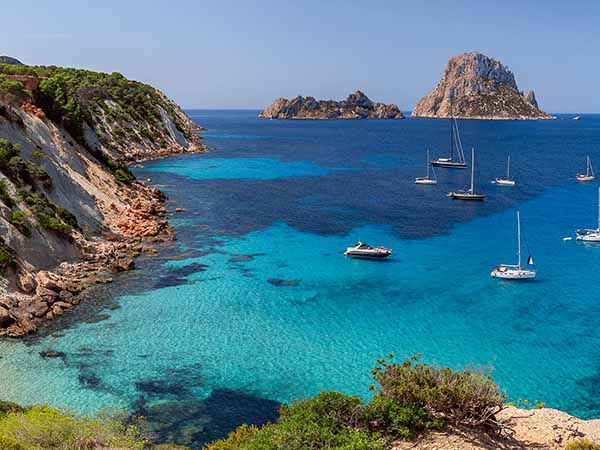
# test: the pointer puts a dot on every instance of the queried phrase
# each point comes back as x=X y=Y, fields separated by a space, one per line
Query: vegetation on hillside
x=109 y=103
x=42 y=427
x=29 y=178
x=411 y=398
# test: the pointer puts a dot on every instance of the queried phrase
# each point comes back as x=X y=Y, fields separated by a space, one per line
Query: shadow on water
x=172 y=412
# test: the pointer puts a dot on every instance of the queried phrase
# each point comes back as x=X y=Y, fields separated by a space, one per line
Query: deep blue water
x=254 y=304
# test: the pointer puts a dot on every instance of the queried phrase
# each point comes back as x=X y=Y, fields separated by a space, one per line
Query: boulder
x=6 y=319
x=26 y=283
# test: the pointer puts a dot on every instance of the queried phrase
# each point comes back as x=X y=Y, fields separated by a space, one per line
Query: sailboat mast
x=599 y=209
x=508 y=169
x=472 y=167
x=451 y=131
x=428 y=163
x=519 y=239
x=587 y=168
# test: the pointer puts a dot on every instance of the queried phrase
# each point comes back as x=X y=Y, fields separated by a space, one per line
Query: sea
x=255 y=304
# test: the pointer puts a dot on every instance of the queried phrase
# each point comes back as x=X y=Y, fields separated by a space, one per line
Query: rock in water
x=356 y=106
x=480 y=88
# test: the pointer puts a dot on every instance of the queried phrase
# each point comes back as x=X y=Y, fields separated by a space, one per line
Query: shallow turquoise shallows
x=255 y=303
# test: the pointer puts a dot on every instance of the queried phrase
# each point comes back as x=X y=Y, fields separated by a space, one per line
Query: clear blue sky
x=243 y=54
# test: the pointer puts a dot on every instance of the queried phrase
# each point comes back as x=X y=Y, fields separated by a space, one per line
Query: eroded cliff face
x=71 y=213
x=356 y=106
x=475 y=86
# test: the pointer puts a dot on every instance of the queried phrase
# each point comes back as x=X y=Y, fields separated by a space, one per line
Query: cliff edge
x=475 y=86
x=356 y=106
x=71 y=211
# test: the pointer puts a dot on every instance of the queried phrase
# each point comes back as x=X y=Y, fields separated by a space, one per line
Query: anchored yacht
x=515 y=271
x=469 y=194
x=588 y=234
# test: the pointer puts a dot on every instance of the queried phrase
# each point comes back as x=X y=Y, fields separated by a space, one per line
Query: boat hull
x=585 y=178
x=590 y=236
x=367 y=255
x=466 y=196
x=448 y=164
x=503 y=182
x=513 y=274
x=424 y=180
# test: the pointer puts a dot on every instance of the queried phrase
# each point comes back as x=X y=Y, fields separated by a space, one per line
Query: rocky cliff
x=477 y=87
x=10 y=60
x=71 y=212
x=356 y=106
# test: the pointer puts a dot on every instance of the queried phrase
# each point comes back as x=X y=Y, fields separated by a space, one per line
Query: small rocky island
x=475 y=86
x=355 y=106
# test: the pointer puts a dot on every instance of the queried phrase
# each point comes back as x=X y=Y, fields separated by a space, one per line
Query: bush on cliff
x=461 y=397
x=325 y=421
x=19 y=170
x=412 y=397
x=582 y=444
x=48 y=215
x=42 y=427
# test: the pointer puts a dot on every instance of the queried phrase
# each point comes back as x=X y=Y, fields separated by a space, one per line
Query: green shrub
x=6 y=407
x=49 y=216
x=42 y=427
x=461 y=397
x=240 y=436
x=21 y=222
x=326 y=421
x=18 y=169
x=582 y=444
x=7 y=257
x=395 y=420
x=5 y=195
x=7 y=443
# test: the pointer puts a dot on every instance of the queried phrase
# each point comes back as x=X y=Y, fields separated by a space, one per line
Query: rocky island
x=475 y=86
x=356 y=106
x=71 y=212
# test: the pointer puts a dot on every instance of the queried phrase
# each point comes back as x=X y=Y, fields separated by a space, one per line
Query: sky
x=244 y=54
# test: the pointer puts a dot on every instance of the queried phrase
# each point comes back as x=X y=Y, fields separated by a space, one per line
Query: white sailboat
x=589 y=172
x=469 y=194
x=455 y=141
x=515 y=271
x=589 y=235
x=426 y=179
x=505 y=181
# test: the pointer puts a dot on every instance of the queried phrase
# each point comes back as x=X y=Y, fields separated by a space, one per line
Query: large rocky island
x=71 y=212
x=475 y=86
x=356 y=106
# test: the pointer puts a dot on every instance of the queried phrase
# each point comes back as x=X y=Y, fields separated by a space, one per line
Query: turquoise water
x=255 y=304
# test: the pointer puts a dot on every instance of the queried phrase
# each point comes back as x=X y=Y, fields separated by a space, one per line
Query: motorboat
x=590 y=235
x=361 y=250
x=515 y=271
x=589 y=172
x=470 y=193
x=505 y=181
x=427 y=179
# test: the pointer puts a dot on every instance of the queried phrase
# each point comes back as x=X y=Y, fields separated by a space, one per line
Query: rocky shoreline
x=45 y=295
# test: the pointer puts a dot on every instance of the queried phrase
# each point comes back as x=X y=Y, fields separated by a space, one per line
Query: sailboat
x=470 y=193
x=589 y=172
x=515 y=271
x=505 y=181
x=427 y=180
x=591 y=235
x=454 y=141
